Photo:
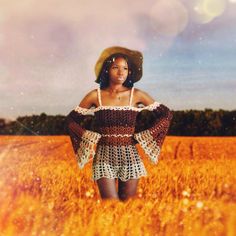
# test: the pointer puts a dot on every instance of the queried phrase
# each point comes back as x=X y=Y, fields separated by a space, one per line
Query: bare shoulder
x=89 y=99
x=142 y=97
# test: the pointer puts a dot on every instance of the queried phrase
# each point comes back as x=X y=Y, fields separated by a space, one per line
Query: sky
x=48 y=50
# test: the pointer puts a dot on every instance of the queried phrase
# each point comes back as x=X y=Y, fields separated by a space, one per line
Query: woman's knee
x=107 y=188
x=127 y=189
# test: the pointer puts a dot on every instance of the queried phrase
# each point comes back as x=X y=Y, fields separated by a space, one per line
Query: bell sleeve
x=152 y=136
x=84 y=140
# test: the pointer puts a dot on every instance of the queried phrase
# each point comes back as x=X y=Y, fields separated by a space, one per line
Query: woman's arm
x=89 y=99
x=152 y=138
x=84 y=141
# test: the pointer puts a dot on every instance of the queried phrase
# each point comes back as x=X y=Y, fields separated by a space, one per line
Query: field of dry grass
x=192 y=190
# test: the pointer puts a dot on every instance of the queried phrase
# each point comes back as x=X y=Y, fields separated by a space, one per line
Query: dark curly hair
x=104 y=75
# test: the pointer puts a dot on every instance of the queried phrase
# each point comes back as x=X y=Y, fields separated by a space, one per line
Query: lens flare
x=206 y=10
x=169 y=17
x=214 y=7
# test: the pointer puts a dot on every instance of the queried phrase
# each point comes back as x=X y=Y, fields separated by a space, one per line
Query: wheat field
x=192 y=190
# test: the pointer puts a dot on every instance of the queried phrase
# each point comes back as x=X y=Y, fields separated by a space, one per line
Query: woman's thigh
x=107 y=188
x=127 y=189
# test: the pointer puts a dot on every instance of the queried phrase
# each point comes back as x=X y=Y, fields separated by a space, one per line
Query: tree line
x=184 y=123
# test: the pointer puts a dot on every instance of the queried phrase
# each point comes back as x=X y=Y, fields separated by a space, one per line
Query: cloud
x=48 y=49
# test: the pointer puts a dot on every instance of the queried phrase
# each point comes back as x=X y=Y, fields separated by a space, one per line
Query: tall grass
x=192 y=190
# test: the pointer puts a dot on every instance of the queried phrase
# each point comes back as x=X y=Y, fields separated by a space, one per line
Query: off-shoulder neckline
x=127 y=107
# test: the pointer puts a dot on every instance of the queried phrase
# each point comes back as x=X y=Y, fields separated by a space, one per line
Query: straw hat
x=135 y=59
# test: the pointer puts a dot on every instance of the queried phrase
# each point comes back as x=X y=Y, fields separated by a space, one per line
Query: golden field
x=192 y=190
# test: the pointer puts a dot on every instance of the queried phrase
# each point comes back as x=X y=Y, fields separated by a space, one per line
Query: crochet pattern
x=149 y=145
x=87 y=147
x=121 y=162
x=86 y=111
x=111 y=143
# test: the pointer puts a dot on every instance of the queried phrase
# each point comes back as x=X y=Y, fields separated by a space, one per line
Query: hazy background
x=48 y=50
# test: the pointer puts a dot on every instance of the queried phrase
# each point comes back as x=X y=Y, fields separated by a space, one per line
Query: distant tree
x=184 y=123
x=2 y=125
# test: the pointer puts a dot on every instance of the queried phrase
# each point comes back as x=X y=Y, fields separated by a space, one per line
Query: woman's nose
x=121 y=70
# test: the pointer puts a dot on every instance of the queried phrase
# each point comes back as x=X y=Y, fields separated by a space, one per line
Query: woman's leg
x=127 y=189
x=107 y=188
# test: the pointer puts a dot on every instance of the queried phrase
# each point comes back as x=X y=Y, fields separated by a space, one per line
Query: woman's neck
x=116 y=88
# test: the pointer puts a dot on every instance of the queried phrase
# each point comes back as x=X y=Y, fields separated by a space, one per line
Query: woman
x=111 y=141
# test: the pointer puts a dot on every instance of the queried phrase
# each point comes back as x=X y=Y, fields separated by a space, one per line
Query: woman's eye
x=116 y=67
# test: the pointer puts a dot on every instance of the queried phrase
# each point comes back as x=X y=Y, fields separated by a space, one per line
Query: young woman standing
x=111 y=142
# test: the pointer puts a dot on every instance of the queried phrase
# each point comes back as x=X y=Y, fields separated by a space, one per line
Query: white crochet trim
x=87 y=111
x=84 y=111
x=149 y=145
x=117 y=135
x=86 y=147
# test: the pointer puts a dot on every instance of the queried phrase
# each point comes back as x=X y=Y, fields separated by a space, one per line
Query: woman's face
x=118 y=71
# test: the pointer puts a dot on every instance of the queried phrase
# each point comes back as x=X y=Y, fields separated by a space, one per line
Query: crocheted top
x=116 y=126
